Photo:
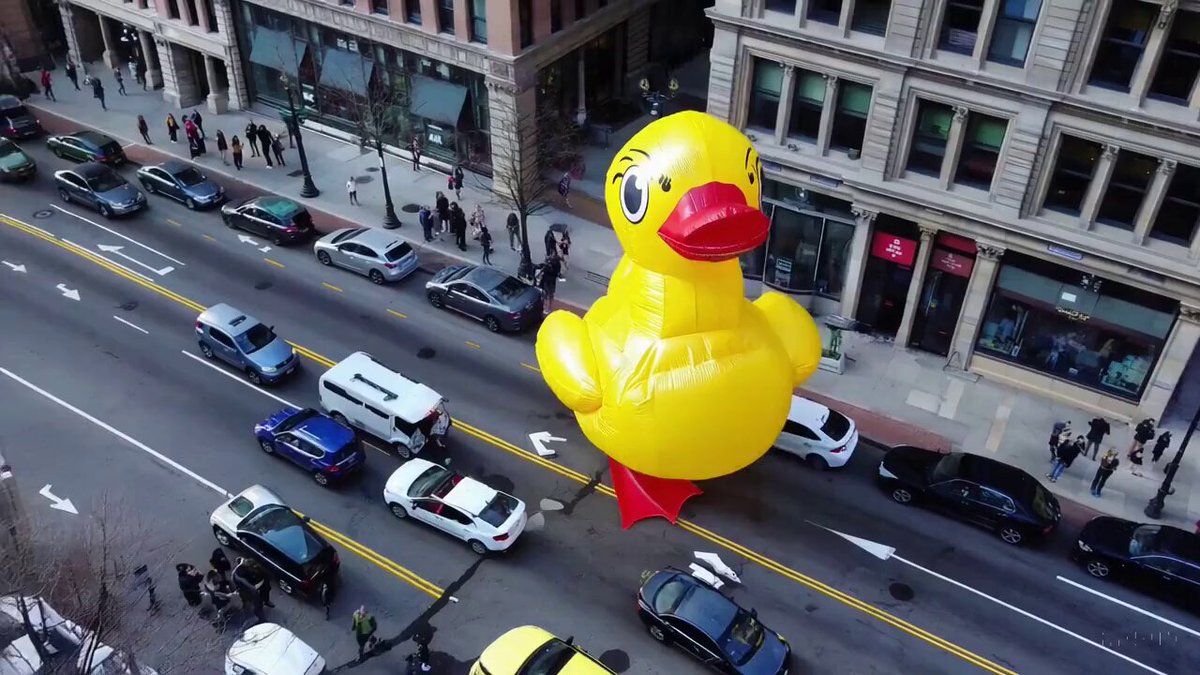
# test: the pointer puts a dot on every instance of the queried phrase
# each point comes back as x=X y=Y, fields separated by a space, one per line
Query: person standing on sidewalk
x=1060 y=429
x=252 y=138
x=144 y=129
x=1098 y=429
x=458 y=220
x=120 y=78
x=442 y=205
x=172 y=128
x=564 y=250
x=485 y=242
x=1108 y=464
x=548 y=281
x=551 y=243
x=1067 y=452
x=564 y=188
x=98 y=92
x=222 y=146
x=72 y=74
x=352 y=190
x=277 y=148
x=414 y=148
x=363 y=626
x=235 y=147
x=264 y=142
x=425 y=218
x=199 y=122
x=458 y=182
x=1160 y=446
x=1142 y=434
x=47 y=85
x=513 y=225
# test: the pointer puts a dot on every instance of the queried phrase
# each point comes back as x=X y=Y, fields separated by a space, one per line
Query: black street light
x=309 y=190
x=1154 y=507
x=657 y=99
x=390 y=221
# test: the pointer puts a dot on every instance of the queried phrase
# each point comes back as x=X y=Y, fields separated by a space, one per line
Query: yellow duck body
x=673 y=373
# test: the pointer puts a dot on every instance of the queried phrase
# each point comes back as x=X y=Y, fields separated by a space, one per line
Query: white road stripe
x=119 y=434
x=109 y=260
x=133 y=326
x=239 y=380
x=118 y=234
x=1126 y=605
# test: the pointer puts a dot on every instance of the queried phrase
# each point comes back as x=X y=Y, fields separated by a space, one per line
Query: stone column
x=1169 y=371
x=150 y=53
x=1098 y=186
x=581 y=111
x=67 y=13
x=218 y=100
x=179 y=81
x=513 y=131
x=1155 y=195
x=1156 y=44
x=979 y=288
x=110 y=57
x=828 y=111
x=954 y=143
x=920 y=267
x=987 y=20
x=860 y=248
x=237 y=93
x=786 y=85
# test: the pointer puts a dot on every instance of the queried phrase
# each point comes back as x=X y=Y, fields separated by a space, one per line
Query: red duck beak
x=712 y=223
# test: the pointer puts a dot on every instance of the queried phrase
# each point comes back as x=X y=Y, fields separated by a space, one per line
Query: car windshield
x=499 y=510
x=284 y=530
x=1144 y=540
x=946 y=468
x=670 y=595
x=301 y=416
x=508 y=290
x=836 y=425
x=427 y=481
x=456 y=274
x=302 y=220
x=551 y=658
x=744 y=637
x=256 y=338
x=398 y=252
x=343 y=236
x=7 y=149
x=105 y=181
x=15 y=111
x=190 y=176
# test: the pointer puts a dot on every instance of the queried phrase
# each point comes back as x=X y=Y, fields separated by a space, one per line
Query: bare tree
x=379 y=119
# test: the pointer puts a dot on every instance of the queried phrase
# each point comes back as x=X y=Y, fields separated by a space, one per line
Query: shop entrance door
x=886 y=279
x=941 y=299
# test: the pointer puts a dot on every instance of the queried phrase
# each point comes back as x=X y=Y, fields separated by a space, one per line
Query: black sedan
x=87 y=146
x=1162 y=559
x=500 y=301
x=182 y=182
x=976 y=489
x=277 y=218
x=679 y=609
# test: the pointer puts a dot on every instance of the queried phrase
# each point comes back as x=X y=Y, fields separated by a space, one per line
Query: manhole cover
x=129 y=306
x=44 y=213
x=901 y=592
x=410 y=208
x=297 y=173
x=616 y=660
x=426 y=353
x=372 y=169
x=262 y=285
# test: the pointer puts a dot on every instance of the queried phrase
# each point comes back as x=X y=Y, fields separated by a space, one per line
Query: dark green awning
x=437 y=100
x=278 y=50
x=345 y=71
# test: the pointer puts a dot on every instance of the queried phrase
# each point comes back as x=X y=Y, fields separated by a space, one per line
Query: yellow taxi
x=529 y=650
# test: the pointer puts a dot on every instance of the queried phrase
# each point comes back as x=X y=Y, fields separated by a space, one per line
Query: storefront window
x=1094 y=332
x=1130 y=180
x=808 y=101
x=806 y=253
x=835 y=255
x=764 y=99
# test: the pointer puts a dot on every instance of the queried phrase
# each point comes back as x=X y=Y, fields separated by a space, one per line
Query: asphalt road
x=577 y=576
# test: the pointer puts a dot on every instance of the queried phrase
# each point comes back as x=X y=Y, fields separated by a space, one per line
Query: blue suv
x=245 y=343
x=310 y=440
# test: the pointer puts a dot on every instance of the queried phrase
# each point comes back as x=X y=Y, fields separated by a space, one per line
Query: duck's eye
x=635 y=195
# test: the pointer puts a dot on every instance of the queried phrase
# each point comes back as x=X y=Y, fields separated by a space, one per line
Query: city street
x=107 y=395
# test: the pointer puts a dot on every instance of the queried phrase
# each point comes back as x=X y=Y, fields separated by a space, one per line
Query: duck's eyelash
x=616 y=177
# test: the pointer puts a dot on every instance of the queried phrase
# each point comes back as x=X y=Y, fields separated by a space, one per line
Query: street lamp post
x=1154 y=507
x=309 y=190
x=390 y=221
x=656 y=99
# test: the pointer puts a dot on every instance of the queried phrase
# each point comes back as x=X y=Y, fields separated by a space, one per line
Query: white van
x=271 y=649
x=823 y=438
x=363 y=393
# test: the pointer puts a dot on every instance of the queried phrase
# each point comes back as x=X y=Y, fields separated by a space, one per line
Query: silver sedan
x=376 y=254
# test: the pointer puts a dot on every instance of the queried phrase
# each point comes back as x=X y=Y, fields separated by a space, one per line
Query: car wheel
x=267 y=447
x=106 y=211
x=402 y=451
x=1098 y=568
x=435 y=299
x=286 y=587
x=276 y=239
x=190 y=203
x=321 y=478
x=222 y=538
x=398 y=510
x=206 y=351
x=657 y=633
x=340 y=419
x=58 y=152
x=376 y=277
x=253 y=376
x=816 y=462
x=149 y=187
x=1011 y=535
x=65 y=196
x=478 y=547
x=491 y=323
x=902 y=496
x=323 y=258
x=228 y=221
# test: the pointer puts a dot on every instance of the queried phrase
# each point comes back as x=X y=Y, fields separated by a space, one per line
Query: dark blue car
x=310 y=440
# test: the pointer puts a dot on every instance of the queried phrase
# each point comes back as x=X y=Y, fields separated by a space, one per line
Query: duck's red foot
x=640 y=496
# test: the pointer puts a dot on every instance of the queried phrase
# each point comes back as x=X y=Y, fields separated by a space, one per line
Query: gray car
x=182 y=182
x=99 y=187
x=376 y=254
x=245 y=343
x=500 y=301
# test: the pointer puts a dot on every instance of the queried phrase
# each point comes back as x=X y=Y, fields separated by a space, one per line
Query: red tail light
x=501 y=537
x=1048 y=529
x=334 y=469
x=514 y=315
x=292 y=229
x=837 y=450
x=391 y=266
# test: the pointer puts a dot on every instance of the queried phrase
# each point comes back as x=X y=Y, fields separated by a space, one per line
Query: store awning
x=437 y=100
x=345 y=71
x=278 y=50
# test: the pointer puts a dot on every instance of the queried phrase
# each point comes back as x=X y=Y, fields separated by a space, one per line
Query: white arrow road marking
x=118 y=234
x=264 y=249
x=706 y=576
x=1126 y=605
x=68 y=292
x=56 y=503
x=540 y=439
x=131 y=325
x=118 y=250
x=253 y=242
x=884 y=552
x=108 y=260
x=13 y=266
x=714 y=561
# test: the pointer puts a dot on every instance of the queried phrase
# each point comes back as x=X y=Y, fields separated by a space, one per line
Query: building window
x=211 y=13
x=193 y=17
x=413 y=11
x=929 y=137
x=850 y=118
x=980 y=151
x=379 y=6
x=764 y=97
x=347 y=3
x=825 y=11
x=960 y=26
x=784 y=6
x=173 y=9
x=525 y=17
x=871 y=16
x=555 y=16
x=1180 y=212
x=1072 y=175
x=1121 y=47
x=580 y=9
x=445 y=15
x=1126 y=189
x=808 y=101
x=1014 y=31
x=1177 y=71
x=478 y=21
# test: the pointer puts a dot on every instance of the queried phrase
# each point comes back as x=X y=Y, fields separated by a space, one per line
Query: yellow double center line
x=432 y=589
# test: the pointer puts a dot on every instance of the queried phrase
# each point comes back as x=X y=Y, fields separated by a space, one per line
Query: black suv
x=15 y=119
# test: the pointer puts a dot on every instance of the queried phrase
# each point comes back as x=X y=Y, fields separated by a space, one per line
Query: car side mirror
x=754 y=613
x=570 y=640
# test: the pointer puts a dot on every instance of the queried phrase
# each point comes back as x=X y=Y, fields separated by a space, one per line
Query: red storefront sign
x=951 y=263
x=894 y=249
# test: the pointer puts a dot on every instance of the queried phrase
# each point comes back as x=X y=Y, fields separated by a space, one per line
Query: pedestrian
x=1108 y=464
x=477 y=221
x=72 y=74
x=485 y=241
x=1142 y=434
x=458 y=220
x=414 y=149
x=264 y=141
x=564 y=188
x=450 y=182
x=549 y=278
x=1067 y=452
x=1160 y=446
x=551 y=243
x=1098 y=430
x=1060 y=429
x=1135 y=458
x=189 y=128
x=421 y=658
x=189 y=583
x=222 y=146
x=253 y=587
x=564 y=250
x=252 y=138
x=98 y=92
x=352 y=190
x=143 y=579
x=458 y=181
x=47 y=84
x=199 y=122
x=277 y=148
x=144 y=129
x=225 y=599
x=139 y=73
x=235 y=147
x=363 y=626
x=425 y=218
x=220 y=563
x=193 y=146
x=442 y=205
x=120 y=78
x=513 y=225
x=172 y=128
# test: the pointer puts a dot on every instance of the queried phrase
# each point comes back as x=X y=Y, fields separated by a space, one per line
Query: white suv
x=823 y=438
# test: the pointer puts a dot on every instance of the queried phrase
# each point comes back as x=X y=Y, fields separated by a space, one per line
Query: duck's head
x=686 y=192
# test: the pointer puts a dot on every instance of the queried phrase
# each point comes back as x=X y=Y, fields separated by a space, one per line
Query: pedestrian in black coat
x=551 y=243
x=252 y=138
x=425 y=218
x=1160 y=446
x=1142 y=434
x=442 y=204
x=458 y=182
x=264 y=140
x=1108 y=464
x=189 y=583
x=199 y=122
x=144 y=129
x=98 y=92
x=548 y=281
x=72 y=74
x=1098 y=430
x=222 y=146
x=458 y=222
x=220 y=563
x=485 y=241
x=1068 y=450
x=513 y=225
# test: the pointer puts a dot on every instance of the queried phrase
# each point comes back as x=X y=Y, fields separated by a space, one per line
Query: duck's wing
x=796 y=330
x=568 y=362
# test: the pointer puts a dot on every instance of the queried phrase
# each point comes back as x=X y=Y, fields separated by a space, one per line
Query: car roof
x=378 y=384
x=93 y=137
x=1179 y=543
x=324 y=432
x=9 y=101
x=373 y=236
x=280 y=207
x=271 y=649
x=486 y=278
x=509 y=652
x=705 y=608
x=259 y=496
x=809 y=413
x=470 y=495
x=171 y=166
x=987 y=471
x=90 y=169
x=228 y=318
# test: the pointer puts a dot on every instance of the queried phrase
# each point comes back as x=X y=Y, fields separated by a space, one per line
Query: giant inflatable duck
x=674 y=374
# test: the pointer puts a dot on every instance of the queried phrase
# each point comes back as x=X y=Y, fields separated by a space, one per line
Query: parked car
x=529 y=650
x=376 y=254
x=278 y=219
x=271 y=649
x=245 y=343
x=258 y=523
x=1162 y=559
x=976 y=489
x=500 y=301
x=823 y=438
x=68 y=644
x=485 y=518
x=182 y=182
x=15 y=119
x=15 y=164
x=681 y=610
x=312 y=441
x=87 y=146
x=98 y=187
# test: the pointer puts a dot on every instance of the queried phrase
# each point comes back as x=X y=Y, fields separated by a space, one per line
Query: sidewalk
x=895 y=396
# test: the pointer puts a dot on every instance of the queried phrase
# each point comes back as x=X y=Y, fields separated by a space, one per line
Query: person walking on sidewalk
x=551 y=243
x=72 y=74
x=222 y=146
x=98 y=92
x=1142 y=434
x=564 y=250
x=458 y=181
x=352 y=190
x=363 y=626
x=1108 y=464
x=1098 y=429
x=47 y=85
x=220 y=563
x=199 y=122
x=477 y=221
x=120 y=78
x=277 y=148
x=144 y=129
x=1060 y=429
x=564 y=188
x=442 y=205
x=235 y=147
x=1067 y=452
x=252 y=138
x=414 y=149
x=548 y=281
x=425 y=218
x=458 y=224
x=172 y=128
x=1160 y=446
x=513 y=225
x=264 y=141
x=485 y=242
x=189 y=583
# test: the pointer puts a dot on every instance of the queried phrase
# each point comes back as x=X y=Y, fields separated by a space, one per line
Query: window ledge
x=1058 y=218
x=972 y=192
x=1168 y=248
x=1113 y=232
x=921 y=179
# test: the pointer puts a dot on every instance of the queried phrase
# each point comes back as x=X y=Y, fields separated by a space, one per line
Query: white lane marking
x=239 y=380
x=13 y=266
x=118 y=234
x=110 y=261
x=1126 y=605
x=118 y=433
x=131 y=325
x=68 y=292
x=118 y=250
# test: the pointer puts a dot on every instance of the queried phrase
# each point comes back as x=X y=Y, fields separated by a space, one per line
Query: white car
x=823 y=438
x=487 y=519
x=61 y=637
x=271 y=649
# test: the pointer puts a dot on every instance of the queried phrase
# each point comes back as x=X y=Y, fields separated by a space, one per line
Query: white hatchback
x=271 y=649
x=485 y=518
x=823 y=438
